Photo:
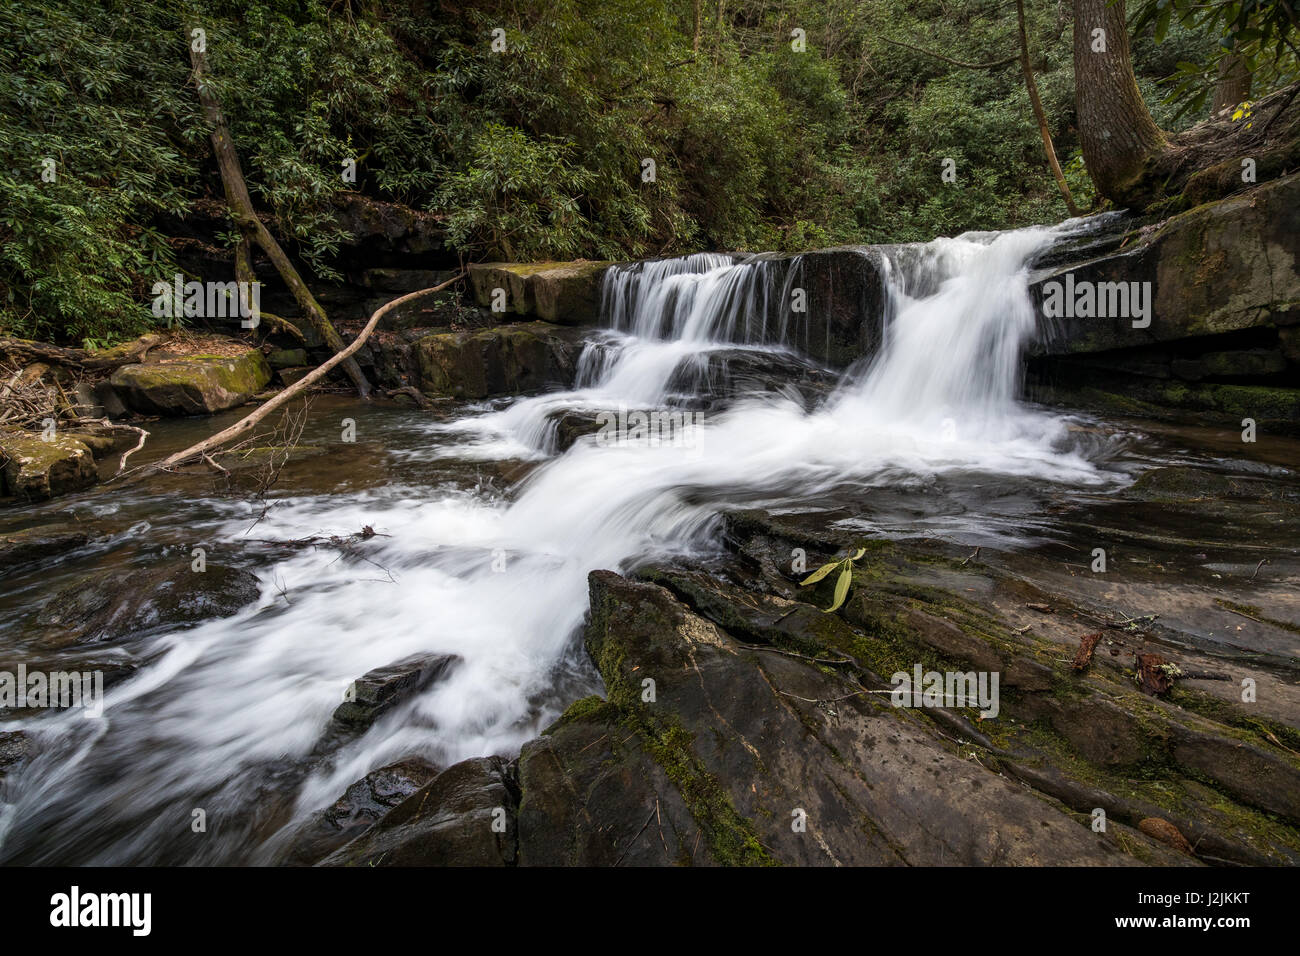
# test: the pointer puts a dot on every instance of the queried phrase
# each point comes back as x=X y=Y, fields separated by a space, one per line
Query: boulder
x=116 y=605
x=33 y=468
x=567 y=293
x=192 y=384
x=463 y=817
x=505 y=360
x=360 y=806
x=737 y=758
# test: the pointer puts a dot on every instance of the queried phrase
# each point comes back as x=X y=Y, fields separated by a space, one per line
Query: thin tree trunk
x=695 y=47
x=1037 y=104
x=252 y=229
x=1233 y=85
x=1118 y=136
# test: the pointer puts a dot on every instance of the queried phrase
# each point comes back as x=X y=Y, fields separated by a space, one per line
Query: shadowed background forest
x=532 y=153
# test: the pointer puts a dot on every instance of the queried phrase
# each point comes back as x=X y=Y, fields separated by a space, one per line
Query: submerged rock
x=116 y=605
x=20 y=550
x=194 y=384
x=34 y=468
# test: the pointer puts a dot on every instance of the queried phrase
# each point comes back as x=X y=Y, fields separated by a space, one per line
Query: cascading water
x=229 y=714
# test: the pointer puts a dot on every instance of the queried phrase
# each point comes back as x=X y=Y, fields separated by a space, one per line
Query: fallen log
x=307 y=381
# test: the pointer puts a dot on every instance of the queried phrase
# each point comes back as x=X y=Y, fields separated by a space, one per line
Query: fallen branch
x=304 y=383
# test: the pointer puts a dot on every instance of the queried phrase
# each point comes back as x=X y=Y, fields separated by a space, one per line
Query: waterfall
x=234 y=707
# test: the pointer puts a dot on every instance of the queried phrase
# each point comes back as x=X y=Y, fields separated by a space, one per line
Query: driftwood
x=25 y=351
x=206 y=446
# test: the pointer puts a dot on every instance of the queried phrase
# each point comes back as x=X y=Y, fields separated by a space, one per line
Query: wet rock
x=35 y=469
x=594 y=796
x=116 y=605
x=505 y=360
x=382 y=689
x=30 y=547
x=749 y=740
x=14 y=747
x=104 y=668
x=566 y=293
x=463 y=817
x=361 y=805
x=192 y=385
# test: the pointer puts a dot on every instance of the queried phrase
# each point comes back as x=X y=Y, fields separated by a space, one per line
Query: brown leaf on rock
x=1167 y=833
x=1087 y=643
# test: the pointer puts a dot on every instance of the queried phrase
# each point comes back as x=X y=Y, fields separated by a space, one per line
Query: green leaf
x=841 y=590
x=820 y=573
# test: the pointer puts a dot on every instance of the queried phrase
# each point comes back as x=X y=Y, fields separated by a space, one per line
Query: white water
x=227 y=703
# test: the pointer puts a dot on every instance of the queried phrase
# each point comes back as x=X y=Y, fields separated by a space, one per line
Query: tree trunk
x=695 y=46
x=1118 y=136
x=1233 y=86
x=253 y=231
x=1039 y=115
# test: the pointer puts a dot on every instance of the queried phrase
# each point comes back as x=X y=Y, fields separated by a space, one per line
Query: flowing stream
x=229 y=716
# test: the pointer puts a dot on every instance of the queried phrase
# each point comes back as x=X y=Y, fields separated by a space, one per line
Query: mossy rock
x=505 y=360
x=567 y=293
x=192 y=385
x=36 y=469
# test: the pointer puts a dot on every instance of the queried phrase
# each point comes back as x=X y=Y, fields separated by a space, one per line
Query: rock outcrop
x=1222 y=289
x=566 y=293
x=504 y=360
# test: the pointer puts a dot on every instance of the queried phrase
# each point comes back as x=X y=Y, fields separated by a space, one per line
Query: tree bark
x=1039 y=115
x=1233 y=85
x=1118 y=136
x=253 y=231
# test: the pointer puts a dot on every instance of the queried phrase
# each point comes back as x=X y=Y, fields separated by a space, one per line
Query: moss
x=1250 y=611
x=731 y=836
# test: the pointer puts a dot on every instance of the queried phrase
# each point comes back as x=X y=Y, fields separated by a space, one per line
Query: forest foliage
x=775 y=125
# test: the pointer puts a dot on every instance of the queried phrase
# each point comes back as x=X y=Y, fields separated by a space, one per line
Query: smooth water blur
x=229 y=716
